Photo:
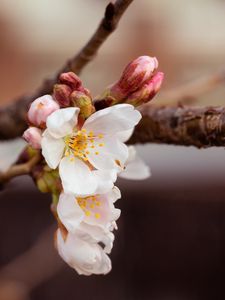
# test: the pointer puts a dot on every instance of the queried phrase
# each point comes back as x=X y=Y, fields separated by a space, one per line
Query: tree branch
x=13 y=117
x=200 y=127
x=20 y=169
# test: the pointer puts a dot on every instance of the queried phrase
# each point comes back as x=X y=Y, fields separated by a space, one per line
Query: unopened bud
x=61 y=94
x=40 y=109
x=85 y=91
x=84 y=102
x=70 y=79
x=136 y=73
x=147 y=91
x=47 y=180
x=33 y=136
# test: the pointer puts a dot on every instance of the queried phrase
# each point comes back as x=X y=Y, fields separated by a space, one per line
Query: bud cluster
x=138 y=84
x=70 y=92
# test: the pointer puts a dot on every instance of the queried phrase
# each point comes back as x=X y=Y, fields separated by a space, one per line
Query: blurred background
x=171 y=239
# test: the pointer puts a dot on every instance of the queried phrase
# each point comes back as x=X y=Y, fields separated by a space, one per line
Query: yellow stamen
x=87 y=213
x=97 y=215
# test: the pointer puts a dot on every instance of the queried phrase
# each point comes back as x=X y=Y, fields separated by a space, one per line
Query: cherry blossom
x=96 y=211
x=86 y=257
x=88 y=156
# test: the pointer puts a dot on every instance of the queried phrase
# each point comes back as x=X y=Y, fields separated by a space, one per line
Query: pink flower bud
x=147 y=91
x=84 y=91
x=61 y=94
x=136 y=73
x=70 y=79
x=40 y=109
x=157 y=81
x=33 y=136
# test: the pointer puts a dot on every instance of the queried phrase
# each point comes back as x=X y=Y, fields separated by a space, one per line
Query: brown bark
x=200 y=127
x=13 y=117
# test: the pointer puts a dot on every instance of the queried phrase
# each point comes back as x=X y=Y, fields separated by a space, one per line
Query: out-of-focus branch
x=19 y=169
x=12 y=117
x=200 y=127
x=34 y=266
x=113 y=13
x=189 y=92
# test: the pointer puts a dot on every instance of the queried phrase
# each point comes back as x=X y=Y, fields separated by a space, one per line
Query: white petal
x=96 y=234
x=102 y=161
x=124 y=136
x=105 y=180
x=61 y=122
x=76 y=176
x=52 y=149
x=114 y=194
x=113 y=119
x=69 y=212
x=86 y=258
x=112 y=155
x=132 y=153
x=136 y=168
x=117 y=150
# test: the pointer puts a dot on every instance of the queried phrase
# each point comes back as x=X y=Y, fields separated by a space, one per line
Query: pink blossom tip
x=33 y=136
x=40 y=109
x=70 y=79
x=147 y=91
x=135 y=74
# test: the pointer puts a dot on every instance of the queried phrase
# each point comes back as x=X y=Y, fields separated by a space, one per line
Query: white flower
x=84 y=256
x=90 y=155
x=135 y=167
x=94 y=214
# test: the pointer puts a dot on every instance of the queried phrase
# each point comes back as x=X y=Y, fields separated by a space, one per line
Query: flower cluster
x=87 y=149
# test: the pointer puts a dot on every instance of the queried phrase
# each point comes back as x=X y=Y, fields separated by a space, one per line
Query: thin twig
x=189 y=92
x=20 y=169
x=109 y=23
x=12 y=117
